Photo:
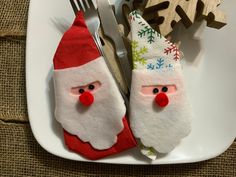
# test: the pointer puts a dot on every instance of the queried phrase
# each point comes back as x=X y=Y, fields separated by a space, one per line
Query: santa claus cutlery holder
x=160 y=113
x=89 y=106
x=91 y=110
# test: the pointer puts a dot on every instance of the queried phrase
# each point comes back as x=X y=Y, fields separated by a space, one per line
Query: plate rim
x=28 y=99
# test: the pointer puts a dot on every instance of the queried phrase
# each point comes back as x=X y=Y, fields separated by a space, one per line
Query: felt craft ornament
x=89 y=105
x=159 y=110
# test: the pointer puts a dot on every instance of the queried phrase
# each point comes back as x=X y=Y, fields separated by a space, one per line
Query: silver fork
x=93 y=22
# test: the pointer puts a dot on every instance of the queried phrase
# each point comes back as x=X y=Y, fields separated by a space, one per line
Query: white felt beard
x=100 y=123
x=159 y=128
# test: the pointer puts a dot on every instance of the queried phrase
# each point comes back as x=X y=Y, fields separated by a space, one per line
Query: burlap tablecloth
x=20 y=154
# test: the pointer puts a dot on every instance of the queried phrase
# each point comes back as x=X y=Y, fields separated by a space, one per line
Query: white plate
x=211 y=83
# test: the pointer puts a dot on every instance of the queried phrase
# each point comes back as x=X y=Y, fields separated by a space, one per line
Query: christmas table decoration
x=163 y=15
x=160 y=113
x=89 y=105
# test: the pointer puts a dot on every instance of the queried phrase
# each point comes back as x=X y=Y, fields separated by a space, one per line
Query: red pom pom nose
x=162 y=100
x=86 y=98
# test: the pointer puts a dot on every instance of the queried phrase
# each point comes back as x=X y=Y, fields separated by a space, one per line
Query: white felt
x=100 y=123
x=159 y=128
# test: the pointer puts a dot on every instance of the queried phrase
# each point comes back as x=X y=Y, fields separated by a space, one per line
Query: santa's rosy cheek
x=171 y=88
x=93 y=86
x=78 y=90
x=155 y=89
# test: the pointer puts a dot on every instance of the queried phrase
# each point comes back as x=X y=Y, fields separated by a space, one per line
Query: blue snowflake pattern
x=160 y=63
x=169 y=66
x=150 y=66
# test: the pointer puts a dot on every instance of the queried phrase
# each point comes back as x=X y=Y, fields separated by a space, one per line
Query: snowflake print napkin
x=160 y=113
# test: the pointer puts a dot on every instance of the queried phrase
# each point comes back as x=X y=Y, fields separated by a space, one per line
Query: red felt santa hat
x=77 y=46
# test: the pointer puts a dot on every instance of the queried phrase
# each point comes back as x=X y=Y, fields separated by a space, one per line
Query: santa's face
x=86 y=92
x=160 y=92
x=88 y=103
x=159 y=113
x=90 y=87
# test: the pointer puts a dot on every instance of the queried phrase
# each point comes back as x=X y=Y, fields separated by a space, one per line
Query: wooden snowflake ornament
x=164 y=14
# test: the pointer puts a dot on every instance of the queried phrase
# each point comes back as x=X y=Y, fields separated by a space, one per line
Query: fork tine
x=85 y=5
x=75 y=9
x=91 y=5
x=80 y=5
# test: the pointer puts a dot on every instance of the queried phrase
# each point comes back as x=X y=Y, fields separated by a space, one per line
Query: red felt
x=77 y=46
x=86 y=98
x=162 y=100
x=125 y=141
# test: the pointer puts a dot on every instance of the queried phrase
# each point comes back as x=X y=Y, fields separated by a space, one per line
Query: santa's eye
x=164 y=89
x=81 y=90
x=91 y=87
x=155 y=90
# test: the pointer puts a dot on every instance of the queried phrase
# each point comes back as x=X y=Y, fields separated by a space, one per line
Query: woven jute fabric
x=13 y=17
x=12 y=80
x=20 y=155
